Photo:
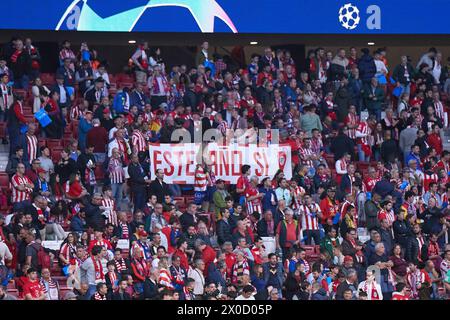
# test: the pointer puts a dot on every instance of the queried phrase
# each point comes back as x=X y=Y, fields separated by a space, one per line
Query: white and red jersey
x=427 y=179
x=138 y=141
x=414 y=279
x=116 y=171
x=110 y=206
x=297 y=193
x=341 y=167
x=165 y=278
x=201 y=180
x=444 y=165
x=255 y=204
x=421 y=242
x=317 y=145
x=388 y=215
x=370 y=183
x=364 y=134
x=309 y=220
x=439 y=109
x=32 y=147
x=75 y=113
x=353 y=120
x=305 y=153
x=18 y=195
x=68 y=250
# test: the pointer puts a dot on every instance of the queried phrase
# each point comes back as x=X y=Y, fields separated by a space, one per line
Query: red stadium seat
x=4 y=180
x=56 y=154
x=54 y=143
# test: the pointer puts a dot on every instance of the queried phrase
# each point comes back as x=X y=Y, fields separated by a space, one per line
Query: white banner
x=179 y=160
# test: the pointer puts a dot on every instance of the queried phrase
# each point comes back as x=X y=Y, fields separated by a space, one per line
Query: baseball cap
x=106 y=110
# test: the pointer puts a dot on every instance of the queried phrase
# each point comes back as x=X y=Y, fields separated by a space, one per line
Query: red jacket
x=329 y=210
x=208 y=256
x=435 y=141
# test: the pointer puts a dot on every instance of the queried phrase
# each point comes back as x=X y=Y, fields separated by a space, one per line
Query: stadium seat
x=4 y=180
x=56 y=154
x=54 y=143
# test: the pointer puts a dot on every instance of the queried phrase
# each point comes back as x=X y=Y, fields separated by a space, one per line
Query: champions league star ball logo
x=83 y=17
x=349 y=16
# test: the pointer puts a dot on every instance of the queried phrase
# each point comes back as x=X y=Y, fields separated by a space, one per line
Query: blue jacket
x=77 y=224
x=215 y=276
x=119 y=102
x=138 y=99
x=267 y=199
x=83 y=130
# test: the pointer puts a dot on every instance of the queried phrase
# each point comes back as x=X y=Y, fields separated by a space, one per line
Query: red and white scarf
x=99 y=276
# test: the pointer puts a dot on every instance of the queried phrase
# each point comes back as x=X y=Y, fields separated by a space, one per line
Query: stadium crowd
x=368 y=164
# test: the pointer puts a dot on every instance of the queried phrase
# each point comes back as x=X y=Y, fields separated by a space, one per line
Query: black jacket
x=82 y=162
x=389 y=150
x=64 y=170
x=160 y=190
x=223 y=230
x=343 y=99
x=22 y=66
x=150 y=290
x=402 y=232
x=340 y=145
x=430 y=218
x=117 y=296
x=412 y=250
x=94 y=217
x=399 y=73
x=186 y=220
x=137 y=177
x=367 y=67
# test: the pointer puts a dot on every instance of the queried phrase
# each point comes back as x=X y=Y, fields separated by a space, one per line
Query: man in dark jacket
x=373 y=98
x=343 y=99
x=350 y=282
x=266 y=226
x=402 y=229
x=138 y=181
x=366 y=66
x=223 y=228
x=188 y=218
x=371 y=208
x=386 y=235
x=190 y=98
x=273 y=272
x=20 y=63
x=121 y=294
x=342 y=144
x=158 y=187
x=94 y=213
x=403 y=74
x=414 y=252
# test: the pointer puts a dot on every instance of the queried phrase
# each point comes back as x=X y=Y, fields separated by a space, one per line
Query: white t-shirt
x=241 y=297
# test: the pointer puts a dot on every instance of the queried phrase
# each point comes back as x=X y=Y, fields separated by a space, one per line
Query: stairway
x=4 y=155
x=446 y=139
